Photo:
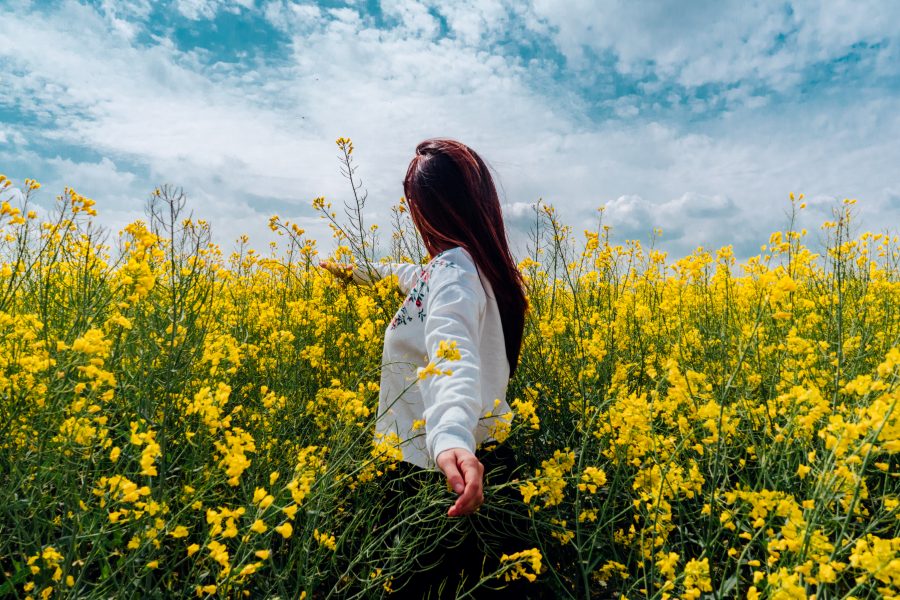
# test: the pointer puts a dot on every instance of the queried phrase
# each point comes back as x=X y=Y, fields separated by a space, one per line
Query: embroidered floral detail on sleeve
x=414 y=305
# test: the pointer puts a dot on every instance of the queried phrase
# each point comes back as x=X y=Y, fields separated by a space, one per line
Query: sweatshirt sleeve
x=454 y=305
x=406 y=274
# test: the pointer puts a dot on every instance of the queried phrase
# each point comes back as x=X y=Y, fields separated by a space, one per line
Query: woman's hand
x=342 y=272
x=464 y=474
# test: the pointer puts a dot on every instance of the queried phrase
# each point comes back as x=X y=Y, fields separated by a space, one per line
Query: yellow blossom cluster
x=550 y=480
x=179 y=421
x=526 y=564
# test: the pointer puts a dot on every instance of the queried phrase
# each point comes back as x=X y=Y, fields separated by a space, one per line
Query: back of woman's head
x=453 y=202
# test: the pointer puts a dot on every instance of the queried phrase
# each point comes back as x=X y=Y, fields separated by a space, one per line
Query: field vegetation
x=178 y=422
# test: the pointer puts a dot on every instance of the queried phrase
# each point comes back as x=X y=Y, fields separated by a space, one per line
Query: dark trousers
x=455 y=552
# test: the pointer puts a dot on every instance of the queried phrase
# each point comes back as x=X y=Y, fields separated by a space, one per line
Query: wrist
x=446 y=441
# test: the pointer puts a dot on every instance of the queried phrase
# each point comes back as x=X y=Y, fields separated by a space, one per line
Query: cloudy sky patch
x=699 y=120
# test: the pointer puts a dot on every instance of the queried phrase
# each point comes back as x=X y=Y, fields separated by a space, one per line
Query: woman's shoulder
x=452 y=262
x=456 y=255
x=454 y=266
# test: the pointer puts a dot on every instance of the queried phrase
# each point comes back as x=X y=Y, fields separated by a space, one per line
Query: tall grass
x=175 y=422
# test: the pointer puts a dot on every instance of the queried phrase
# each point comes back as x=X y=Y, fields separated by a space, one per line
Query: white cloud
x=518 y=210
x=144 y=104
x=471 y=21
x=207 y=9
x=414 y=16
x=695 y=43
x=124 y=15
x=297 y=18
x=103 y=175
x=686 y=222
x=248 y=144
x=198 y=9
x=624 y=106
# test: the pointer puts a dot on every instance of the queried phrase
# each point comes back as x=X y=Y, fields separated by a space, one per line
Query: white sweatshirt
x=447 y=300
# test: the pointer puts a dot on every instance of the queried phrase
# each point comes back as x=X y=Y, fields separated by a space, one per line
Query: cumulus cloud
x=207 y=9
x=714 y=41
x=292 y=16
x=689 y=220
x=102 y=175
x=414 y=17
x=246 y=142
x=518 y=210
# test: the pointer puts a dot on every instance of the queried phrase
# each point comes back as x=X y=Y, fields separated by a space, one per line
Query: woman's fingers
x=329 y=266
x=340 y=271
x=447 y=462
x=473 y=495
x=464 y=473
x=469 y=501
x=455 y=478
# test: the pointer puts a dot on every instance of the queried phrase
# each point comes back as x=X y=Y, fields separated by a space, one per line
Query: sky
x=698 y=117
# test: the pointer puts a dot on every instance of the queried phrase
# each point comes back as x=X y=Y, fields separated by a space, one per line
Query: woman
x=464 y=312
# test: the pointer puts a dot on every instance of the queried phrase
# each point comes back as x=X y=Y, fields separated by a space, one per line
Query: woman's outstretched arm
x=453 y=402
x=406 y=273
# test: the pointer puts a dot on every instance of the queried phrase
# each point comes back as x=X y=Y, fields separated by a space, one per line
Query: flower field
x=175 y=421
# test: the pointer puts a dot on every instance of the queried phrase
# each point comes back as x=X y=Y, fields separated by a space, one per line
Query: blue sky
x=695 y=117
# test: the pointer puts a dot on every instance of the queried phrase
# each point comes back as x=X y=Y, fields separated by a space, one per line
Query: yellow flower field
x=177 y=422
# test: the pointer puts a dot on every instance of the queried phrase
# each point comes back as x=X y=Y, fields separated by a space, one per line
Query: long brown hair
x=453 y=202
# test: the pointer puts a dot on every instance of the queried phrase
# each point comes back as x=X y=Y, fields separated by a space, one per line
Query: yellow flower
x=325 y=540
x=431 y=369
x=696 y=578
x=592 y=478
x=230 y=530
x=179 y=532
x=666 y=563
x=250 y=569
x=219 y=553
x=258 y=526
x=258 y=495
x=520 y=561
x=285 y=529
x=447 y=350
x=526 y=412
x=587 y=514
